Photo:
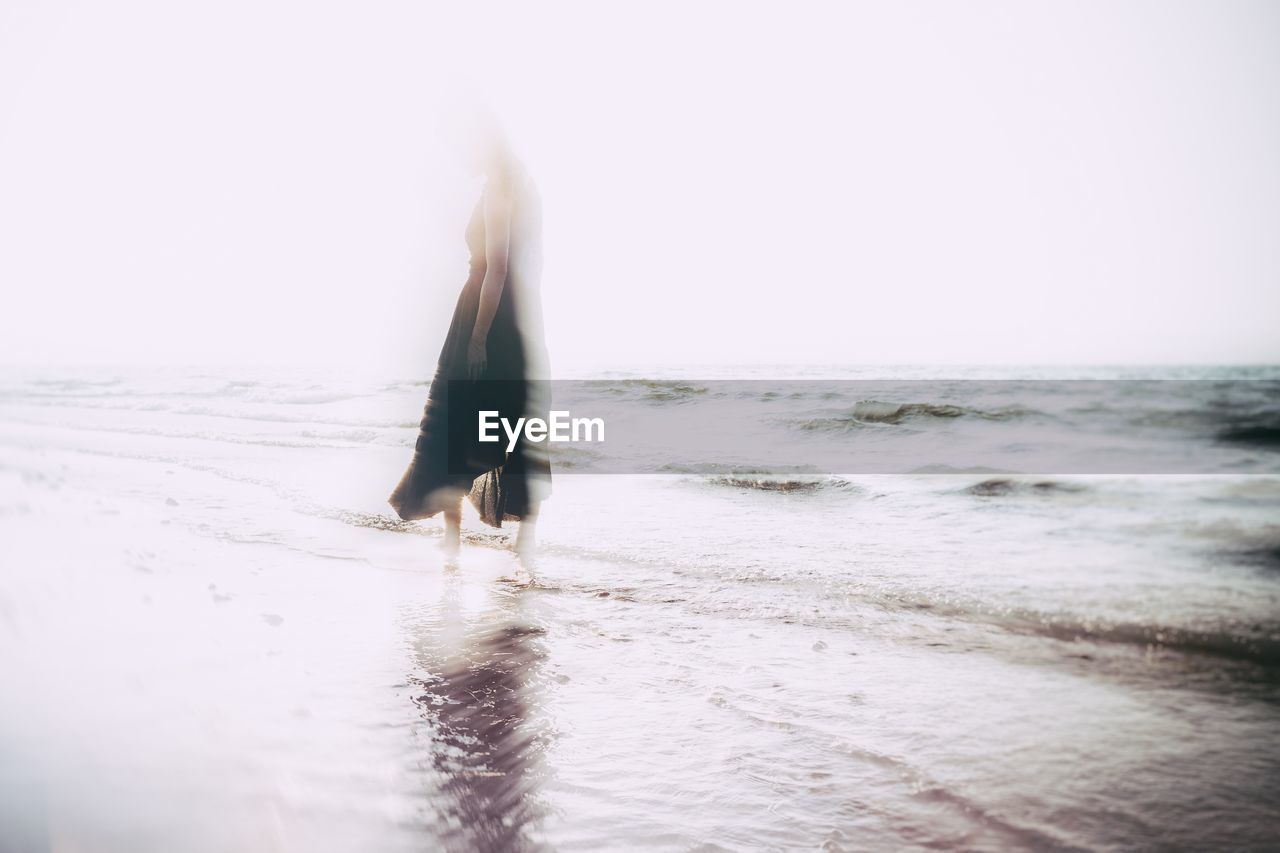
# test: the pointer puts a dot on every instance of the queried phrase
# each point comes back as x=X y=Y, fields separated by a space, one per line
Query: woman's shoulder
x=511 y=183
x=500 y=186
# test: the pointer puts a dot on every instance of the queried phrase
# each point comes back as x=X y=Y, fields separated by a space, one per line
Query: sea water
x=216 y=635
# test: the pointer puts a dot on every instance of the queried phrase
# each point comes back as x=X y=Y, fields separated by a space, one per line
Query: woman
x=493 y=359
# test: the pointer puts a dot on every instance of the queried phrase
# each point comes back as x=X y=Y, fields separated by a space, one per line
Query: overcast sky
x=787 y=182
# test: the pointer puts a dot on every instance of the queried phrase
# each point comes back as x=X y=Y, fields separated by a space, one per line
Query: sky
x=801 y=182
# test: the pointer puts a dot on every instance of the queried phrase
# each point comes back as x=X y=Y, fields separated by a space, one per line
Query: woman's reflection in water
x=480 y=671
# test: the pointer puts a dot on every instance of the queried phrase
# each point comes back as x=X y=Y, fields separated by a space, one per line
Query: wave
x=942 y=469
x=84 y=392
x=1263 y=556
x=372 y=521
x=1250 y=642
x=877 y=412
x=75 y=384
x=1256 y=644
x=657 y=390
x=1002 y=486
x=1224 y=643
x=785 y=485
x=571 y=457
x=1255 y=434
x=306 y=440
x=355 y=436
x=725 y=469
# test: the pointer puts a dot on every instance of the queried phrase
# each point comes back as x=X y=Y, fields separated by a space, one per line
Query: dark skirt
x=449 y=461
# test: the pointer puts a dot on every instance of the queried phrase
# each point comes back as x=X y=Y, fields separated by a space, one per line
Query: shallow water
x=216 y=636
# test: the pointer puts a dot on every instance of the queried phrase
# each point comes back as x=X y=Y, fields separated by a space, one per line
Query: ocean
x=216 y=635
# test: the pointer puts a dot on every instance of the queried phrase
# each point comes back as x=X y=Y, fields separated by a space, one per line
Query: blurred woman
x=494 y=358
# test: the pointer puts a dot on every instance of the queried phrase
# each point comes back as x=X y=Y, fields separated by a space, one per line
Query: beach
x=217 y=636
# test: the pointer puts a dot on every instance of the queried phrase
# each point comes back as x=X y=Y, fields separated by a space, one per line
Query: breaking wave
x=784 y=484
x=876 y=412
x=1001 y=486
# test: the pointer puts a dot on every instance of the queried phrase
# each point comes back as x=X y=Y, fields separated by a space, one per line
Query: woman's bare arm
x=497 y=241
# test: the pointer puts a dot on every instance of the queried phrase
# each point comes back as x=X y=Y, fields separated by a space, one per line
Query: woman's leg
x=525 y=537
x=452 y=527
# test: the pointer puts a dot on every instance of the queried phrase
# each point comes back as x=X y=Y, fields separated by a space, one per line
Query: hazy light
x=870 y=183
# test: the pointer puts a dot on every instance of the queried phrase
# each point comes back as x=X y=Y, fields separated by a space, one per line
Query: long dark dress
x=448 y=460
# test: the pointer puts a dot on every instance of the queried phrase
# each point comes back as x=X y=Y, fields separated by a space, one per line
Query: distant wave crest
x=1002 y=486
x=656 y=390
x=784 y=484
x=880 y=412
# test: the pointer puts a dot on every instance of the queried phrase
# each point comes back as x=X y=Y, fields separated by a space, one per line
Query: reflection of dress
x=503 y=486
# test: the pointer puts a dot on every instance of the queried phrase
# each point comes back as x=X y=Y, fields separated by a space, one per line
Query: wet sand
x=168 y=690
